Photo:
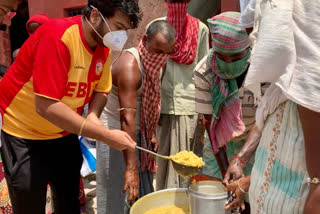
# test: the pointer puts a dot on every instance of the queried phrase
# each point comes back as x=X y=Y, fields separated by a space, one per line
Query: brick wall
x=54 y=8
x=230 y=5
x=151 y=9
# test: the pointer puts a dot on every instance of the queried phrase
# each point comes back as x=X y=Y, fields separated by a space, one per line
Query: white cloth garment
x=247 y=15
x=269 y=104
x=286 y=50
x=243 y=4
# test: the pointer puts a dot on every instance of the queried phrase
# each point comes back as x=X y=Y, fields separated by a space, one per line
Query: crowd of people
x=241 y=90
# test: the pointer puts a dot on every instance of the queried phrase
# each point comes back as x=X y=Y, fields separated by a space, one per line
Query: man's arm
x=96 y=106
x=221 y=155
x=310 y=122
x=235 y=169
x=251 y=144
x=65 y=118
x=128 y=80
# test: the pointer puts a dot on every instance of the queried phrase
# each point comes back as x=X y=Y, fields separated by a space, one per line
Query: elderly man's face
x=159 y=44
x=231 y=57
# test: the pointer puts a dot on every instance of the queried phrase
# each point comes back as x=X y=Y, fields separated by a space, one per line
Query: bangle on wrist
x=82 y=126
x=242 y=190
x=313 y=181
x=241 y=161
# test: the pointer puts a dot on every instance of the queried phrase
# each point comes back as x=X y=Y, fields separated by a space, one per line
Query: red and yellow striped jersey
x=56 y=63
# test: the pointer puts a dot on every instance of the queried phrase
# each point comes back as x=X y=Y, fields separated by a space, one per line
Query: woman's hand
x=234 y=172
x=237 y=193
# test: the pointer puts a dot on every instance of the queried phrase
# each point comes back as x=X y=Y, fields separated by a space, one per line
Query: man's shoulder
x=203 y=67
x=56 y=28
x=127 y=72
x=126 y=64
x=126 y=61
x=203 y=34
x=203 y=27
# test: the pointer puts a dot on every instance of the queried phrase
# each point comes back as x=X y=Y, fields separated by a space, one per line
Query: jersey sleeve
x=105 y=83
x=50 y=70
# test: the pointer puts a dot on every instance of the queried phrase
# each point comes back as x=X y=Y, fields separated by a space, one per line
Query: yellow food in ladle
x=169 y=210
x=188 y=159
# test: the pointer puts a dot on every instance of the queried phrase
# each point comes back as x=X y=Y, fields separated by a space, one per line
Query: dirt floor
x=89 y=183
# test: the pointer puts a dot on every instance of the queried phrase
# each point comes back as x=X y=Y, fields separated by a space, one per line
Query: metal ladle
x=181 y=169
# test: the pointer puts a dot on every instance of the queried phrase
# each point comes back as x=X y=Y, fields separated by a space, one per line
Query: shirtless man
x=135 y=76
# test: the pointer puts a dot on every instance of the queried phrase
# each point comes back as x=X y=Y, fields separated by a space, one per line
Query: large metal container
x=207 y=197
x=163 y=198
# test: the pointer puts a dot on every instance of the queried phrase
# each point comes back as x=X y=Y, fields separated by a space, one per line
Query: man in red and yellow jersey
x=62 y=67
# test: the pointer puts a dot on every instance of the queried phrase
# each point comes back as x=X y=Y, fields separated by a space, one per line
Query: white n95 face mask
x=114 y=40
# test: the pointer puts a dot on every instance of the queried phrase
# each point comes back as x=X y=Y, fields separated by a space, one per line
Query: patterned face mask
x=187 y=28
x=230 y=70
x=152 y=62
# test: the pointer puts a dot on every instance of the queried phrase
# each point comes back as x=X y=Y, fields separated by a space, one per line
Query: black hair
x=109 y=7
x=163 y=27
x=23 y=6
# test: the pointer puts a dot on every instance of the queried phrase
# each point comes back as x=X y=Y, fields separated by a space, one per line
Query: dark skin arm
x=126 y=76
x=235 y=170
x=96 y=106
x=310 y=122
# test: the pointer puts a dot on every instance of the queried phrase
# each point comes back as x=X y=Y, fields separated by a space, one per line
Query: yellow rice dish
x=188 y=159
x=169 y=210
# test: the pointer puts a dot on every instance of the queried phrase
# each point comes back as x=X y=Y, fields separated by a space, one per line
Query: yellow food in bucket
x=188 y=159
x=169 y=210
